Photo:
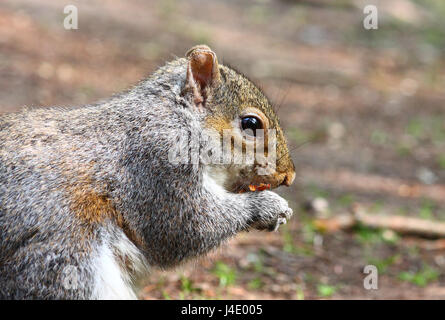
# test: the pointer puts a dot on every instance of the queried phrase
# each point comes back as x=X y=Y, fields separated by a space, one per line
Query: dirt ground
x=364 y=112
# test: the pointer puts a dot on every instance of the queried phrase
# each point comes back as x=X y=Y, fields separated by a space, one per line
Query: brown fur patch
x=219 y=123
x=90 y=206
x=93 y=208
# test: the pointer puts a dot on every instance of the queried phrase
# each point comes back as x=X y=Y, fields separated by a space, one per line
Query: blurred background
x=364 y=112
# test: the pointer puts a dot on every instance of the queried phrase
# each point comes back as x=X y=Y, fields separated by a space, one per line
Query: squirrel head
x=234 y=106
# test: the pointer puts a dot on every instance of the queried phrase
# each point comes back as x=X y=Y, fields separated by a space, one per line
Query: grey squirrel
x=89 y=200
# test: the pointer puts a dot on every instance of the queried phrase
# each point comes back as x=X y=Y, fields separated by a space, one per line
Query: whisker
x=296 y=147
x=283 y=98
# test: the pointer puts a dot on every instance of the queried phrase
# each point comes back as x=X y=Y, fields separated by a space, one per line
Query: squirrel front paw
x=270 y=211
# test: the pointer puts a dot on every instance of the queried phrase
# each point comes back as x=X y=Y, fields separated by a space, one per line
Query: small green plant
x=289 y=244
x=255 y=284
x=368 y=235
x=166 y=295
x=325 y=290
x=299 y=293
x=186 y=285
x=288 y=241
x=383 y=264
x=309 y=232
x=415 y=128
x=426 y=210
x=309 y=277
x=225 y=274
x=404 y=149
x=421 y=278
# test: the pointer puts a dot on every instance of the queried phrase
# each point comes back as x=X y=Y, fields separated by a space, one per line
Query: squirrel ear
x=202 y=71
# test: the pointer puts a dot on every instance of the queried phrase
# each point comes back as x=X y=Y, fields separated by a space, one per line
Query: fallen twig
x=401 y=224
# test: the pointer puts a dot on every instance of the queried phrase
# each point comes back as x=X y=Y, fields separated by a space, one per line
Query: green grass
x=187 y=285
x=290 y=244
x=309 y=232
x=288 y=241
x=366 y=235
x=431 y=129
x=255 y=284
x=427 y=209
x=166 y=295
x=421 y=278
x=325 y=290
x=225 y=274
x=404 y=150
x=382 y=265
x=416 y=128
x=300 y=293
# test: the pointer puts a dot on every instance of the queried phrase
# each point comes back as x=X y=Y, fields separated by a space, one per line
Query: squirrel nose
x=289 y=178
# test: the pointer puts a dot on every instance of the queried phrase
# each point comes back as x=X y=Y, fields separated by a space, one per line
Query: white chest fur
x=113 y=277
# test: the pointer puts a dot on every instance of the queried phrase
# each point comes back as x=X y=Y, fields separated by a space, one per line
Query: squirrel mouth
x=254 y=187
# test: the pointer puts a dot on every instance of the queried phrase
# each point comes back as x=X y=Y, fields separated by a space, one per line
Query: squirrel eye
x=252 y=123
